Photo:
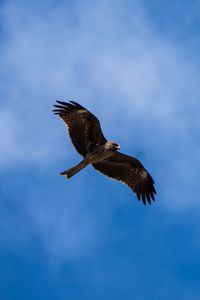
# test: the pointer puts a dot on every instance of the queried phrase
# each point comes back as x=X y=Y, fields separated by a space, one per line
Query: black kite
x=88 y=139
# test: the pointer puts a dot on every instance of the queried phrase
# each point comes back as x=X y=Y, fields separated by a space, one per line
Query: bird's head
x=112 y=146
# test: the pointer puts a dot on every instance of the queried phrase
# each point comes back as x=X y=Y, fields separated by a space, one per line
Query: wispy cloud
x=112 y=61
x=123 y=63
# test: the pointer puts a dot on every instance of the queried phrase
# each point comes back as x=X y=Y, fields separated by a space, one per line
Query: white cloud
x=109 y=59
x=8 y=140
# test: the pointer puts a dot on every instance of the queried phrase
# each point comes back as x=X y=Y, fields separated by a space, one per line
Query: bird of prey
x=88 y=139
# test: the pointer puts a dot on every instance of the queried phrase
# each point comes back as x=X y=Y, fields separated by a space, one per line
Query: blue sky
x=135 y=64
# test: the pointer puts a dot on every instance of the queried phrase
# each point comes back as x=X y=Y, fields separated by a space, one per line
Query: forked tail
x=69 y=173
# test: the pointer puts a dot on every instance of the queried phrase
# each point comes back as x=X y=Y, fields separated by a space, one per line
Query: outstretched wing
x=84 y=128
x=130 y=171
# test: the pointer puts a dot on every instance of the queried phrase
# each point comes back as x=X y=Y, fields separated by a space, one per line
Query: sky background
x=135 y=65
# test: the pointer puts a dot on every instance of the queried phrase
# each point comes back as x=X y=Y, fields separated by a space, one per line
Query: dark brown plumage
x=87 y=137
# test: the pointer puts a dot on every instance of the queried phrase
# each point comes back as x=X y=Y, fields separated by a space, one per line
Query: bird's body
x=87 y=137
x=101 y=152
x=98 y=154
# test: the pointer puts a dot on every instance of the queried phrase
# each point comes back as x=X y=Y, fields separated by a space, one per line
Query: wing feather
x=130 y=171
x=83 y=127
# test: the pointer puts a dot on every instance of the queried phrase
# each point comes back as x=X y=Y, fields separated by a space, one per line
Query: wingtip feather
x=148 y=198
x=77 y=104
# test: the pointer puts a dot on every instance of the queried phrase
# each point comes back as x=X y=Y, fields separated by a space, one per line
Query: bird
x=86 y=135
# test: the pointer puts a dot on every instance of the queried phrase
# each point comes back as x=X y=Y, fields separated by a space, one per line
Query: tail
x=69 y=173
